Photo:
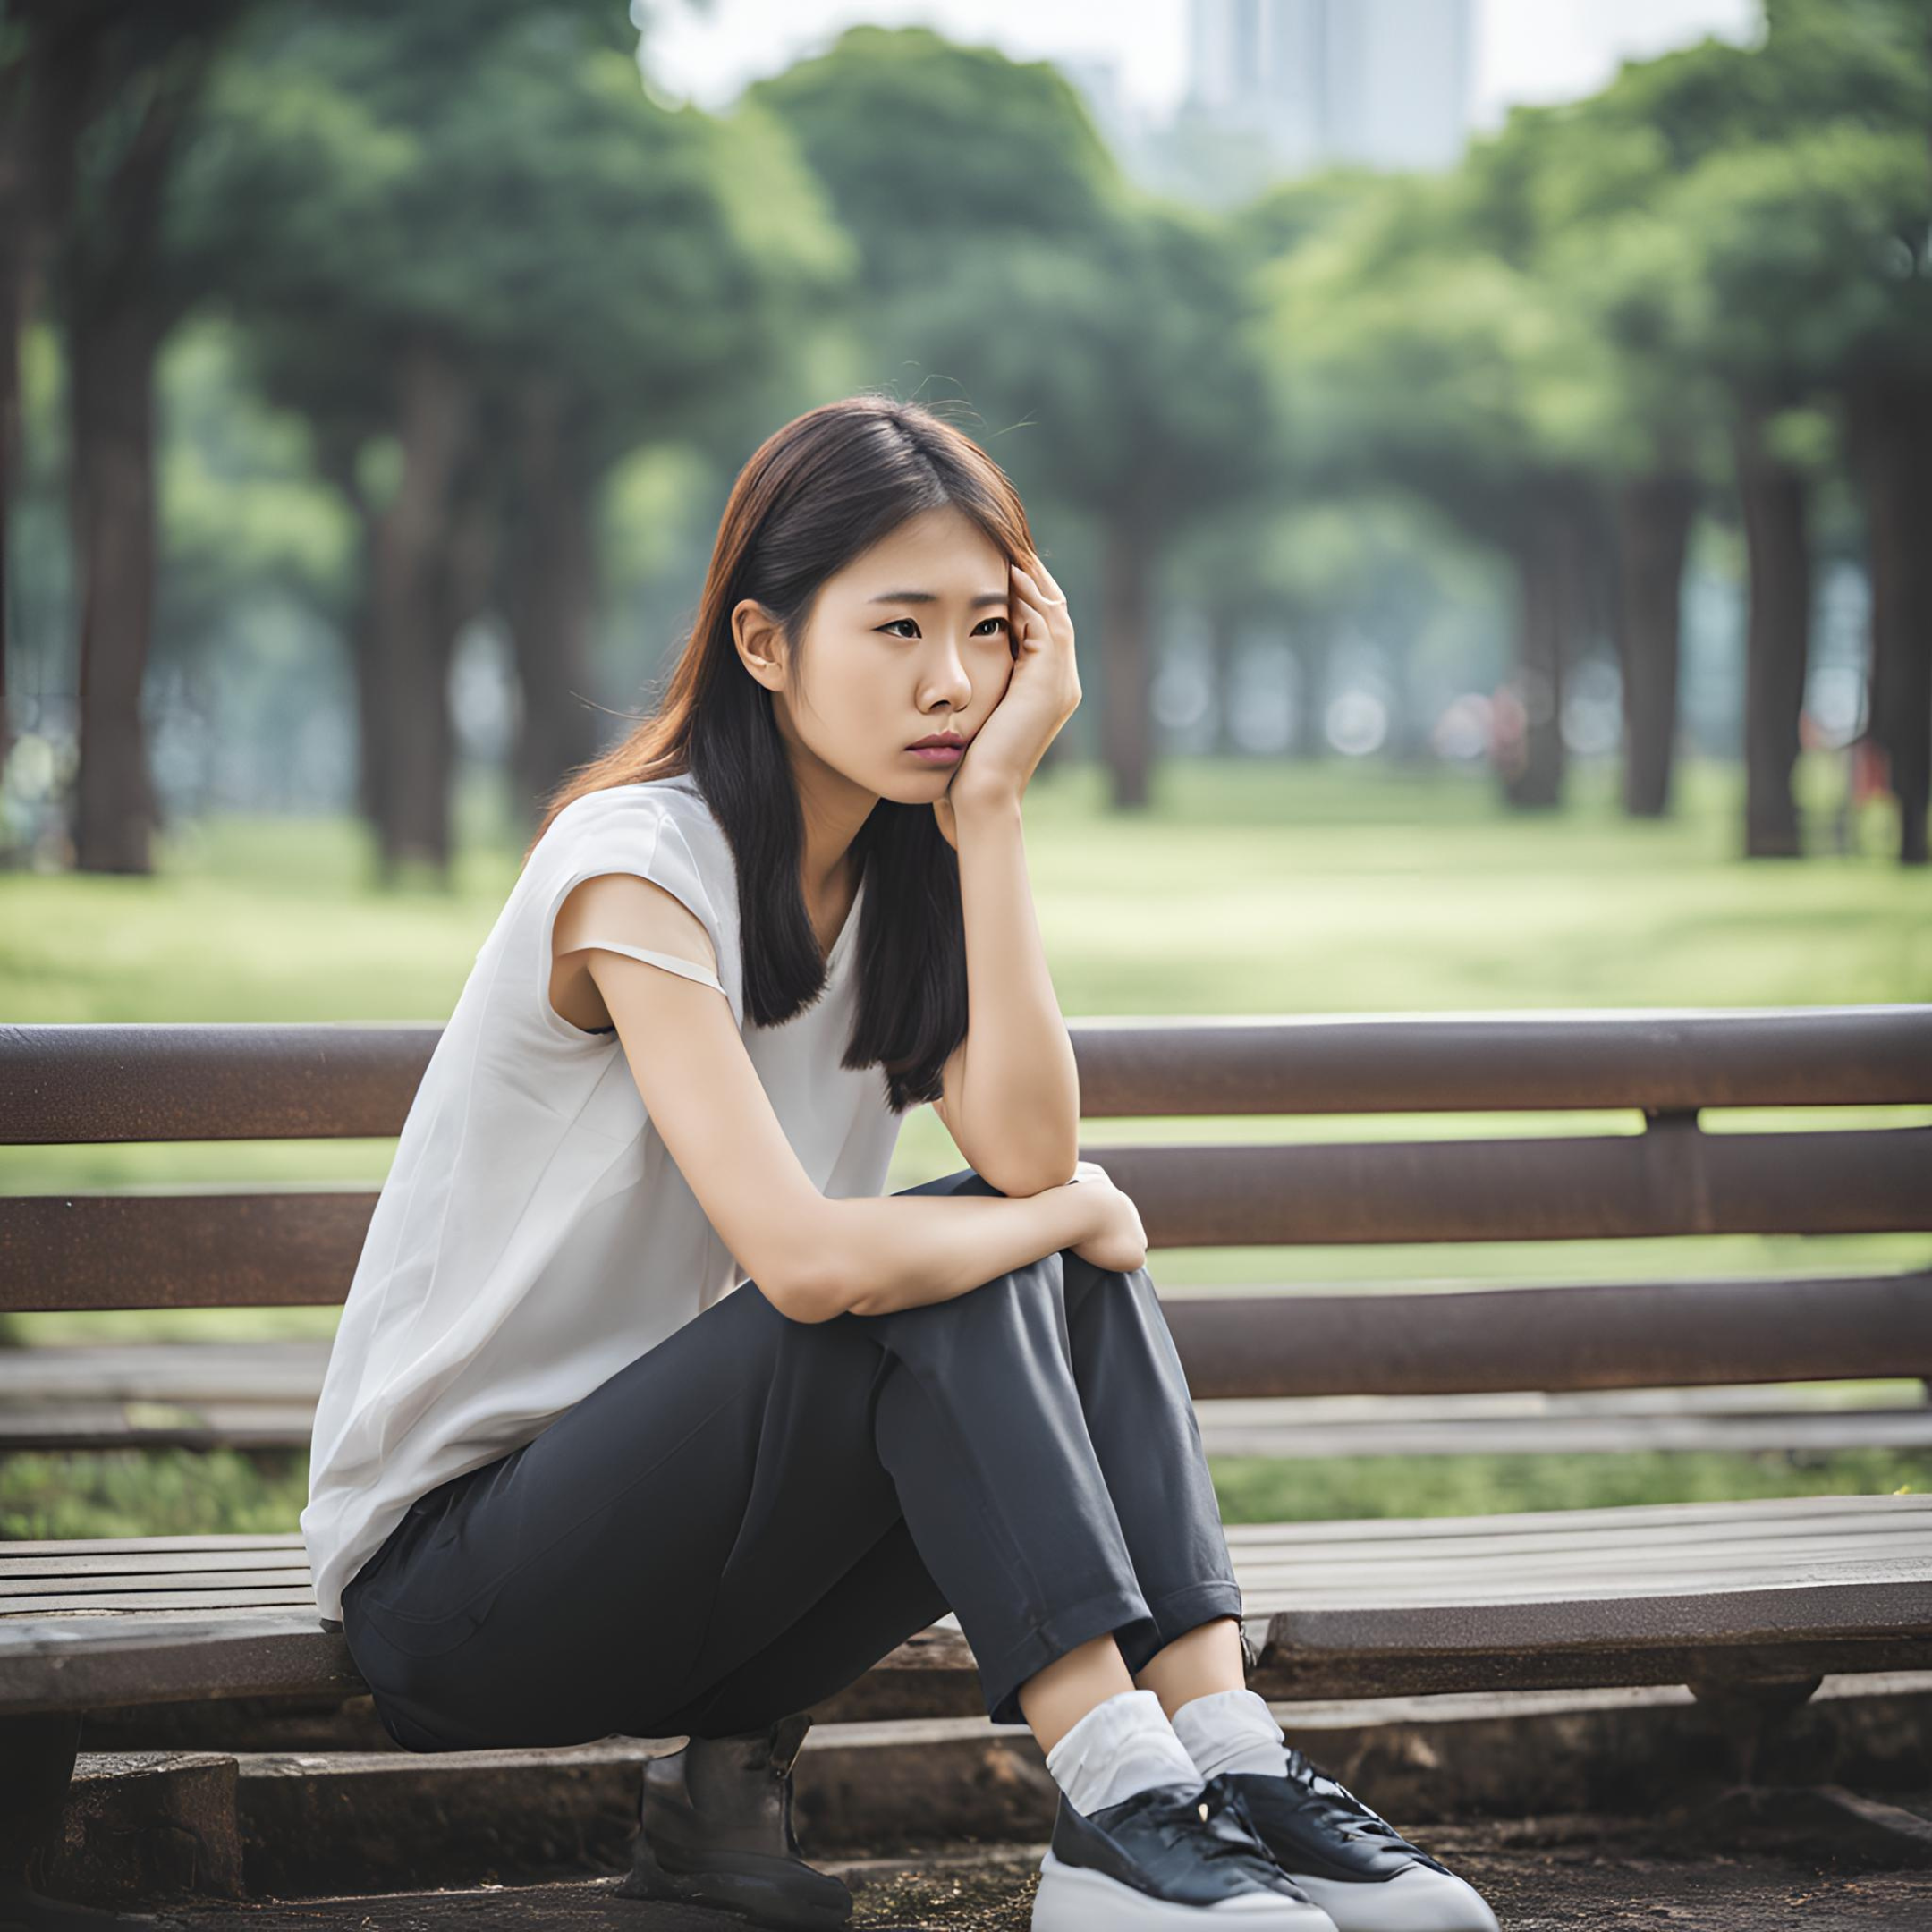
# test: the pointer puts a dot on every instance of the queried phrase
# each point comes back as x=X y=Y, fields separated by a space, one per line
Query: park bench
x=1750 y=1603
x=253 y=1396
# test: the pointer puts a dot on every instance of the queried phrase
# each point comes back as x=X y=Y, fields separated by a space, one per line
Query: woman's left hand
x=1042 y=694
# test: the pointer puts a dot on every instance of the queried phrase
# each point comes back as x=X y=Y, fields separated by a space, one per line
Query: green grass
x=1245 y=888
x=182 y=1492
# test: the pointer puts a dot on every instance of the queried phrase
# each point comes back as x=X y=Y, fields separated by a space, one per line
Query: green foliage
x=924 y=146
x=1589 y=288
x=155 y=1492
x=512 y=191
x=1001 y=247
x=240 y=505
x=1817 y=255
x=1256 y=1489
x=1403 y=354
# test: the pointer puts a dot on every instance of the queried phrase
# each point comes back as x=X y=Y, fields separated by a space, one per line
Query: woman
x=649 y=1414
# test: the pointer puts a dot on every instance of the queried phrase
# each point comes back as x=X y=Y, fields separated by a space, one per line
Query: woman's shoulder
x=661 y=829
x=624 y=811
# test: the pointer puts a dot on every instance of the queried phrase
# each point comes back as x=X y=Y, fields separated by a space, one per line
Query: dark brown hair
x=814 y=496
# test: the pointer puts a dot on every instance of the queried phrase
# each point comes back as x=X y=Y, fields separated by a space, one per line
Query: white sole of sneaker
x=1417 y=1900
x=1075 y=1898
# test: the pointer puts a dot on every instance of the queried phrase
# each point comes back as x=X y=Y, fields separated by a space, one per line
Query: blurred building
x=1386 y=83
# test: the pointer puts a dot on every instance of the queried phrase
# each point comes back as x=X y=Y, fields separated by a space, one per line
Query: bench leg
x=37 y=1762
x=1749 y=1709
x=1839 y=1822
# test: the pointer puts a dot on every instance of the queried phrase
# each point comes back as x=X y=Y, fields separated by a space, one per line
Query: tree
x=106 y=91
x=493 y=252
x=1111 y=324
x=1406 y=357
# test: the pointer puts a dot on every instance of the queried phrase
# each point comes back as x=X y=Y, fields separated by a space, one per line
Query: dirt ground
x=1605 y=1875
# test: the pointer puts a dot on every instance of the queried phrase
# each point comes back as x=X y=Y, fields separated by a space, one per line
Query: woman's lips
x=938 y=754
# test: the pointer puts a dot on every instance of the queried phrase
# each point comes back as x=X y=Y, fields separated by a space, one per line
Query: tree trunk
x=1224 y=632
x=112 y=351
x=1654 y=515
x=1777 y=635
x=1307 y=735
x=335 y=453
x=117 y=313
x=552 y=592
x=1124 y=719
x=42 y=101
x=15 y=227
x=1892 y=445
x=1547 y=563
x=413 y=643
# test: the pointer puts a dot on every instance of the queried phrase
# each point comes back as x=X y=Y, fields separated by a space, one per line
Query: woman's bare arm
x=1010 y=1088
x=903 y=1250
x=812 y=1257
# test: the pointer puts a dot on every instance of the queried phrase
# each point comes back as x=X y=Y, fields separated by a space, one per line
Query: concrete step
x=299 y=1823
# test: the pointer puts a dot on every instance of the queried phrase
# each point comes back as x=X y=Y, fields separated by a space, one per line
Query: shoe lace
x=1215 y=1799
x=1335 y=1805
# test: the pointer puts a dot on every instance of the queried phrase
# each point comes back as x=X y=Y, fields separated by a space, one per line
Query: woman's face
x=908 y=639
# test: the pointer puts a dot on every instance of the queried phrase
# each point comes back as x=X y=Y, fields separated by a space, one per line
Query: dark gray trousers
x=751 y=1513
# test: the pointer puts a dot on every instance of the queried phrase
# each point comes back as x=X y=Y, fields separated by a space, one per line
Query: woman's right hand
x=1118 y=1242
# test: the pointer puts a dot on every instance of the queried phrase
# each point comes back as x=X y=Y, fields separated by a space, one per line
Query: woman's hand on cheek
x=1042 y=693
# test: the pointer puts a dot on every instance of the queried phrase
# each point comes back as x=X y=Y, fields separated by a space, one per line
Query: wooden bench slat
x=80 y=1589
x=1566 y=1433
x=272 y=1372
x=297 y=1597
x=165 y=1371
x=1612 y=1545
x=1589 y=1337
x=1739 y=1617
x=1830 y=1512
x=1373 y=1565
x=262 y=1396
x=148 y=1563
x=213 y=1539
x=1476 y=1601
x=68 y=1083
x=1556 y=1432
x=1271 y=1584
x=1590 y=1552
x=281 y=1247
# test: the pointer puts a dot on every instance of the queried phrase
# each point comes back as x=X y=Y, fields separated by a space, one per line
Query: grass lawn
x=1246 y=888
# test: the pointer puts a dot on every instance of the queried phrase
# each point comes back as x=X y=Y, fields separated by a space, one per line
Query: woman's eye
x=913 y=622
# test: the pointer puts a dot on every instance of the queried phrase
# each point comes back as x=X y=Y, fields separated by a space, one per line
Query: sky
x=1526 y=50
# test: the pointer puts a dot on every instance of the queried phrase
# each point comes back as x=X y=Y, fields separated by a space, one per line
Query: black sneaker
x=715 y=1829
x=1170 y=1857
x=1350 y=1861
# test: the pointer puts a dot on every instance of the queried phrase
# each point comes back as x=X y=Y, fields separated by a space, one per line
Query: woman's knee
x=961 y=1181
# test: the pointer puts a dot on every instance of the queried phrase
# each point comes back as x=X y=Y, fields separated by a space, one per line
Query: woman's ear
x=759 y=639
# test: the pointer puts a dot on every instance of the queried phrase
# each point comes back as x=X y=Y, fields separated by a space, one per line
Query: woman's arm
x=1012 y=1087
x=903 y=1250
x=810 y=1258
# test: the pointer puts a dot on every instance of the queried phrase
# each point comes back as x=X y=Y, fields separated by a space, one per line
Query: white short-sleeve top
x=534 y=1235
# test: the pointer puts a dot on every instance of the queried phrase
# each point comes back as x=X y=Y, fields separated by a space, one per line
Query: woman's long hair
x=814 y=496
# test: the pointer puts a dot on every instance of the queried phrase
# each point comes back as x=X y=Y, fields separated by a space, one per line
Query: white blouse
x=534 y=1233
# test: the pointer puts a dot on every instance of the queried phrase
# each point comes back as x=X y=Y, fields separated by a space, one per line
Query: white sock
x=1231 y=1731
x=1122 y=1745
